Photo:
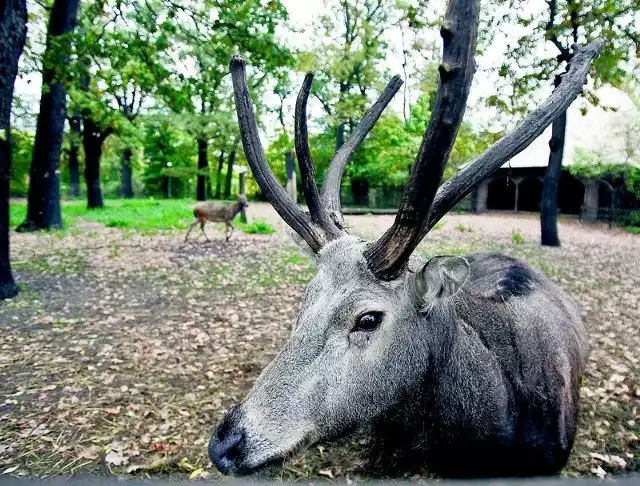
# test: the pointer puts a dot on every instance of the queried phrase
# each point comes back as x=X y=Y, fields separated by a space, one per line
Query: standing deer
x=468 y=366
x=216 y=212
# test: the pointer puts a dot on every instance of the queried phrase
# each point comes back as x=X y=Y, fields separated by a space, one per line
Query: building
x=609 y=132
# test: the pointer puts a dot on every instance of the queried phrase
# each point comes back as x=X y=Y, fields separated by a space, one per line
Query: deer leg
x=190 y=228
x=228 y=225
x=202 y=223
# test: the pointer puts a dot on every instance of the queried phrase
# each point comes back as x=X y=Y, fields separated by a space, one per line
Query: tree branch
x=551 y=35
x=387 y=256
x=325 y=105
x=508 y=147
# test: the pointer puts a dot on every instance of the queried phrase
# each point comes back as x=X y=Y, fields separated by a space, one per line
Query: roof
x=600 y=130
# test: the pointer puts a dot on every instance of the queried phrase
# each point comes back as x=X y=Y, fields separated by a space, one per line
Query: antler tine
x=387 y=257
x=288 y=210
x=508 y=147
x=318 y=213
x=331 y=186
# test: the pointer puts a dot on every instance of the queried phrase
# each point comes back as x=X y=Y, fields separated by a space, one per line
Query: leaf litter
x=123 y=361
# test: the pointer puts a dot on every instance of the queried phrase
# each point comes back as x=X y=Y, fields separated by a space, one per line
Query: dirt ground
x=123 y=350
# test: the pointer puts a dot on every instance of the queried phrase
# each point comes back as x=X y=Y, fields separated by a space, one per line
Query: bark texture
x=13 y=31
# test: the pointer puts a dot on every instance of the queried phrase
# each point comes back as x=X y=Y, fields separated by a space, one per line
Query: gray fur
x=477 y=359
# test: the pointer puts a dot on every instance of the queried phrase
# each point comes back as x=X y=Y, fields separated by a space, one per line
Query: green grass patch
x=517 y=237
x=463 y=228
x=256 y=227
x=145 y=216
x=439 y=225
x=138 y=214
x=633 y=229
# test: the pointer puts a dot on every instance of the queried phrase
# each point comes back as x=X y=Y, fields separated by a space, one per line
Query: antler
x=387 y=257
x=422 y=204
x=318 y=212
x=288 y=210
x=333 y=177
x=452 y=191
x=324 y=221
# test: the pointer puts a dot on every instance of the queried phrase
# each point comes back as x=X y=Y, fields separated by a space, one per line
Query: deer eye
x=368 y=322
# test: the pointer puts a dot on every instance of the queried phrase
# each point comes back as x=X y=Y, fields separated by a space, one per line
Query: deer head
x=353 y=352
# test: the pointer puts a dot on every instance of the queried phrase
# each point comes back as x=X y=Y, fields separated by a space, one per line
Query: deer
x=216 y=212
x=466 y=366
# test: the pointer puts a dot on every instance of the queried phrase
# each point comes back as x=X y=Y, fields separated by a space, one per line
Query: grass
x=633 y=230
x=463 y=227
x=256 y=227
x=145 y=215
x=517 y=237
x=439 y=225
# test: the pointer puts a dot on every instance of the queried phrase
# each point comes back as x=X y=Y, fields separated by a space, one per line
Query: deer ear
x=439 y=278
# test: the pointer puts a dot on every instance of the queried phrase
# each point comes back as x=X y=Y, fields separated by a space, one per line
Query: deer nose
x=227 y=444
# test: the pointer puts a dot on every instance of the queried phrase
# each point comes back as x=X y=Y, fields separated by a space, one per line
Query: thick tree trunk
x=74 y=161
x=126 y=175
x=344 y=89
x=43 y=207
x=242 y=189
x=339 y=136
x=203 y=166
x=92 y=142
x=360 y=191
x=230 y=162
x=13 y=30
x=219 y=175
x=549 y=203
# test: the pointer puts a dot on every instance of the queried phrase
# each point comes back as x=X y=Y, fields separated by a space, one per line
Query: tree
x=562 y=24
x=348 y=63
x=75 y=136
x=207 y=32
x=168 y=155
x=13 y=31
x=119 y=64
x=43 y=208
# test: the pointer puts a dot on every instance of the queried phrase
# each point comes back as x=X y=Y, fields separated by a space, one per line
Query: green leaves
x=557 y=25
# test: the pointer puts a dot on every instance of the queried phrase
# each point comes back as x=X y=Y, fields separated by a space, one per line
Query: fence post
x=241 y=186
x=291 y=176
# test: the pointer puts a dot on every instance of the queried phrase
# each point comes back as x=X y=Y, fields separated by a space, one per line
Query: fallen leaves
x=130 y=362
x=115 y=458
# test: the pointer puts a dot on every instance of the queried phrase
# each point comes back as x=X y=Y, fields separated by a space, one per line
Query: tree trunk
x=92 y=142
x=126 y=175
x=74 y=161
x=339 y=136
x=242 y=190
x=230 y=162
x=549 y=203
x=43 y=206
x=344 y=89
x=203 y=166
x=360 y=191
x=13 y=30
x=219 y=175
